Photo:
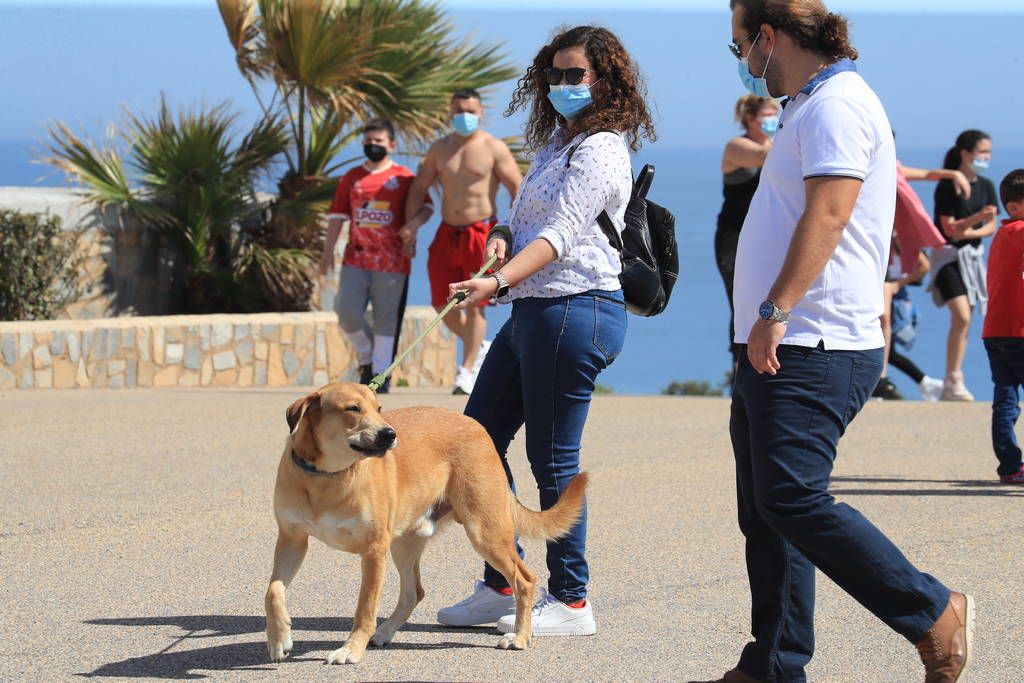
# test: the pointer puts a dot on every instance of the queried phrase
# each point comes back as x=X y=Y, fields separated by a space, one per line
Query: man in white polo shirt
x=808 y=296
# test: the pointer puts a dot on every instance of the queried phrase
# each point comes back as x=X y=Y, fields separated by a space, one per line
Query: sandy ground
x=136 y=537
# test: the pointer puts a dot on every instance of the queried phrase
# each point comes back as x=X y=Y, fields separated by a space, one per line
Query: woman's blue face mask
x=570 y=100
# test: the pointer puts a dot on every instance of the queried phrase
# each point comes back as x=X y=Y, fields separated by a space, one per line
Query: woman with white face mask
x=587 y=110
x=742 y=160
x=958 y=270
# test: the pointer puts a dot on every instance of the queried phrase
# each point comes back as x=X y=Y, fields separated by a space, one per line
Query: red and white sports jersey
x=374 y=203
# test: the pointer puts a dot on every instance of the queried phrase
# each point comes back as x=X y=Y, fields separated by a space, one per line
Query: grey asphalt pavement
x=136 y=536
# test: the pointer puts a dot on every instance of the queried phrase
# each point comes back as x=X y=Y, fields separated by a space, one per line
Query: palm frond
x=322 y=46
x=328 y=137
x=426 y=65
x=99 y=169
x=304 y=208
x=260 y=147
x=282 y=275
x=242 y=25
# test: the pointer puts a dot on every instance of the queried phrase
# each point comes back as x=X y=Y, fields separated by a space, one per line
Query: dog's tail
x=556 y=521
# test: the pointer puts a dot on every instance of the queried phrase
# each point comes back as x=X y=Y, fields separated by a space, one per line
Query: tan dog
x=366 y=482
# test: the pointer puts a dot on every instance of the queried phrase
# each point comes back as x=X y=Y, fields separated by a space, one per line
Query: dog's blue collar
x=310 y=469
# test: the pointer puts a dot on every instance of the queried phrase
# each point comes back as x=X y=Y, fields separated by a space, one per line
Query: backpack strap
x=608 y=228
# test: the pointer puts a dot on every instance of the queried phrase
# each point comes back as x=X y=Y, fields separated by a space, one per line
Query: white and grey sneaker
x=552 y=617
x=464 y=381
x=484 y=606
x=931 y=389
x=954 y=389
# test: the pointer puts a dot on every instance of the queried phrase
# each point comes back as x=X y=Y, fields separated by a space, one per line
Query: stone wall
x=267 y=349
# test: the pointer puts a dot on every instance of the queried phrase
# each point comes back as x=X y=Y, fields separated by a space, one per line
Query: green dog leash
x=460 y=296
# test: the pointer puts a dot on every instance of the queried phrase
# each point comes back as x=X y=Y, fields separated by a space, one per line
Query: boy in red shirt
x=375 y=269
x=1004 y=327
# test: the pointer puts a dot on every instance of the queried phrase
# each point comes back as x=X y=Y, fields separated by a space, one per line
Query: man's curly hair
x=620 y=94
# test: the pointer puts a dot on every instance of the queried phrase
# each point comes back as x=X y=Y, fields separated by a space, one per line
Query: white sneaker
x=484 y=606
x=954 y=389
x=464 y=381
x=931 y=388
x=552 y=617
x=484 y=348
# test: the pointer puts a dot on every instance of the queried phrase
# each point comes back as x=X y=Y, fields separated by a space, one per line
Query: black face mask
x=375 y=153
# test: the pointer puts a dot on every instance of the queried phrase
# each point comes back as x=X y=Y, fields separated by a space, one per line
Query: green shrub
x=38 y=266
x=603 y=389
x=692 y=387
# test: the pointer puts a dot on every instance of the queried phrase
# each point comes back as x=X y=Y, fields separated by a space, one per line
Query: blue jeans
x=1006 y=357
x=541 y=369
x=785 y=429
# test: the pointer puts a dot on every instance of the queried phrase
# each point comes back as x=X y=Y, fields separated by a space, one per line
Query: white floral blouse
x=559 y=201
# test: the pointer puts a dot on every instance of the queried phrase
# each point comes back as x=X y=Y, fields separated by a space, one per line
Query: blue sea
x=689 y=340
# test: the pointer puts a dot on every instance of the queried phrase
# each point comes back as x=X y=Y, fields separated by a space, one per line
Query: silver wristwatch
x=769 y=312
x=503 y=285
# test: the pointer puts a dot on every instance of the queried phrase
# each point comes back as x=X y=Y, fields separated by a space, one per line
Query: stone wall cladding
x=267 y=349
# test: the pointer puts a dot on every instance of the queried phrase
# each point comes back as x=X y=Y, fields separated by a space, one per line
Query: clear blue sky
x=937 y=73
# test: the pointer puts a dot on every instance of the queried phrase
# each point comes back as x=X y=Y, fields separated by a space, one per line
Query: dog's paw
x=382 y=637
x=511 y=642
x=343 y=655
x=279 y=648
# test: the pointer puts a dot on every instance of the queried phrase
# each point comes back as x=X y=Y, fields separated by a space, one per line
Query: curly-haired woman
x=587 y=110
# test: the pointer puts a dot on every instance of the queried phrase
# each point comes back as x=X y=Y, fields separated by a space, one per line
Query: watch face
x=766 y=310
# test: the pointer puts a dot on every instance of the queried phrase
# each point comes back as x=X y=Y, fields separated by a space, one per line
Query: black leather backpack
x=650 y=258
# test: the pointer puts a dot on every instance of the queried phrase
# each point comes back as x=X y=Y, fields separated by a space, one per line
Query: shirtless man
x=470 y=164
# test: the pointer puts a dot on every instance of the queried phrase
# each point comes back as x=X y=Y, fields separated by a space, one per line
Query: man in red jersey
x=375 y=269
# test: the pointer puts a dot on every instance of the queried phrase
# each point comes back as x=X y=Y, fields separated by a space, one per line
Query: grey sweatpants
x=356 y=289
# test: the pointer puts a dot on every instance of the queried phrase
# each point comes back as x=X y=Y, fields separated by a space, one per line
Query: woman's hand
x=961 y=184
x=477 y=290
x=497 y=246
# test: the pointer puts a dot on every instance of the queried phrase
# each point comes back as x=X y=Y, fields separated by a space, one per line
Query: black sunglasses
x=573 y=76
x=737 y=48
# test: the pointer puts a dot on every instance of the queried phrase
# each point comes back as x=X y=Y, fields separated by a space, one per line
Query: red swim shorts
x=456 y=254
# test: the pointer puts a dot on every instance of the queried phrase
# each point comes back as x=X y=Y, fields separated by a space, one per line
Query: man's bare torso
x=466 y=169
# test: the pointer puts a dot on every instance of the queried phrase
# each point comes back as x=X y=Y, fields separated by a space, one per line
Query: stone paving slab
x=136 y=536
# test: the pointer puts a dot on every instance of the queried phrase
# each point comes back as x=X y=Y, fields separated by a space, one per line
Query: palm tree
x=195 y=181
x=326 y=66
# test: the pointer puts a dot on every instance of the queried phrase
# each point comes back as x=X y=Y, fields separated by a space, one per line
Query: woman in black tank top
x=741 y=169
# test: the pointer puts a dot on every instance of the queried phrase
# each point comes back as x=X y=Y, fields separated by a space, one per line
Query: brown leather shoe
x=946 y=648
x=732 y=676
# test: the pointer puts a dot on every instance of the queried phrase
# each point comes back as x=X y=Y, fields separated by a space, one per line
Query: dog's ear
x=299 y=408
